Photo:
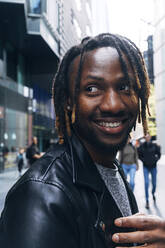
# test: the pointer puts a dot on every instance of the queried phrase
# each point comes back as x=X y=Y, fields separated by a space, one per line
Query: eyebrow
x=95 y=78
x=102 y=79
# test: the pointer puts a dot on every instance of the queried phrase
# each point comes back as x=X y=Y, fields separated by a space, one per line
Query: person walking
x=20 y=161
x=76 y=195
x=128 y=158
x=149 y=153
x=32 y=152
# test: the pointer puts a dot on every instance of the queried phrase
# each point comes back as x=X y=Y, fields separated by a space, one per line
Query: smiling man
x=106 y=110
x=76 y=195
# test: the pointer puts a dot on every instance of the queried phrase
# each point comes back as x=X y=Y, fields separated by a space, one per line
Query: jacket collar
x=84 y=170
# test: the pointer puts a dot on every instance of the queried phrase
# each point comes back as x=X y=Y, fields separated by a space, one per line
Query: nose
x=112 y=102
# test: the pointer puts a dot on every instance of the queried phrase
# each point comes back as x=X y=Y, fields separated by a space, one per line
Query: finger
x=140 y=222
x=134 y=237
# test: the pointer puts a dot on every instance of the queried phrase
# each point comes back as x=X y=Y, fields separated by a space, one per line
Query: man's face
x=35 y=141
x=105 y=111
x=148 y=138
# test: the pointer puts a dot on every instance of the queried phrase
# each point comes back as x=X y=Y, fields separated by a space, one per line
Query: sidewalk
x=159 y=207
x=7 y=179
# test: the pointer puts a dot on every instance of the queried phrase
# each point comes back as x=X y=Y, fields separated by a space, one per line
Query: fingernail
x=116 y=238
x=118 y=222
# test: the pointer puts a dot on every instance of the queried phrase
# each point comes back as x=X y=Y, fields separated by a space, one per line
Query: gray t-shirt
x=116 y=187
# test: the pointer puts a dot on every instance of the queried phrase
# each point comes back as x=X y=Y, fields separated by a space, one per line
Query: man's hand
x=150 y=231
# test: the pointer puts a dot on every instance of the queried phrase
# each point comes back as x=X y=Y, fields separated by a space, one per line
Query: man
x=33 y=153
x=149 y=154
x=20 y=160
x=75 y=193
x=128 y=159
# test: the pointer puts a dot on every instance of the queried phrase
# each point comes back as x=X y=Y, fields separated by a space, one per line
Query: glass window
x=16 y=128
x=1 y=50
x=11 y=63
x=35 y=6
x=44 y=6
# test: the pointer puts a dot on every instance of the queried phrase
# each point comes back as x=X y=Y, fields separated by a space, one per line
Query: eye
x=92 y=89
x=124 y=87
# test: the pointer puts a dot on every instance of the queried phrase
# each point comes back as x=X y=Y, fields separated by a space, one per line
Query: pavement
x=11 y=175
x=7 y=180
x=157 y=208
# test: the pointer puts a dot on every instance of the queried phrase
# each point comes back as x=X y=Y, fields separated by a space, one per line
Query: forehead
x=99 y=55
x=99 y=61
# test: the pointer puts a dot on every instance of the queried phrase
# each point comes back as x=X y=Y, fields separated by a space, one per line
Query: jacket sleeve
x=38 y=215
x=140 y=152
x=158 y=152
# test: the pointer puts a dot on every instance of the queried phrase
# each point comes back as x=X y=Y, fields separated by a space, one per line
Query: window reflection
x=35 y=6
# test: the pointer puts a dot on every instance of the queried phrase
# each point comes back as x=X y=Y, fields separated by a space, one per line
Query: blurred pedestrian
x=149 y=153
x=128 y=158
x=32 y=152
x=13 y=149
x=5 y=151
x=20 y=161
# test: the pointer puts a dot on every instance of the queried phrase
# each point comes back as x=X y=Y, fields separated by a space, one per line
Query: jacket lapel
x=84 y=170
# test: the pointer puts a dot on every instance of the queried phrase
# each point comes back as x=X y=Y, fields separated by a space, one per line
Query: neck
x=105 y=158
x=99 y=155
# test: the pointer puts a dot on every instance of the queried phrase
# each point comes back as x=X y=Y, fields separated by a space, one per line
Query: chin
x=113 y=147
x=105 y=145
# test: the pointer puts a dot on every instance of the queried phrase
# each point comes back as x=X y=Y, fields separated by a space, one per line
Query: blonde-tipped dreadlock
x=74 y=114
x=126 y=49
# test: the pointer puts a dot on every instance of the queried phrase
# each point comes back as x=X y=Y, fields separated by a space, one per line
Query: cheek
x=132 y=103
x=83 y=110
x=86 y=105
x=135 y=103
x=134 y=106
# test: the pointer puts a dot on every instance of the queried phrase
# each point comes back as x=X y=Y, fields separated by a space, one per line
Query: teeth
x=110 y=124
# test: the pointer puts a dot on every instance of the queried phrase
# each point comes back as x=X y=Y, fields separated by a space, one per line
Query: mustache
x=112 y=114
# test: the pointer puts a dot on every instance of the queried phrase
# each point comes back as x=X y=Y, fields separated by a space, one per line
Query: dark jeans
x=153 y=172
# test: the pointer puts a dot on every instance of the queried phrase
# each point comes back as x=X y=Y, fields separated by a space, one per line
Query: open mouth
x=110 y=124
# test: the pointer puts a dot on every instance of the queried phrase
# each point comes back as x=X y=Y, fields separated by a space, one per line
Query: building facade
x=159 y=69
x=100 y=16
x=148 y=57
x=34 y=35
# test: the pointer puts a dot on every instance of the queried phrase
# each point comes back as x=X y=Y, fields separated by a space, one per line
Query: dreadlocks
x=125 y=48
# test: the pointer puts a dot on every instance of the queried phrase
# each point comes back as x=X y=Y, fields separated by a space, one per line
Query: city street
x=159 y=207
x=9 y=177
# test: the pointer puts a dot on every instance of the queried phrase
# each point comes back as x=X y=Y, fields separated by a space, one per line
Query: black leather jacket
x=61 y=202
